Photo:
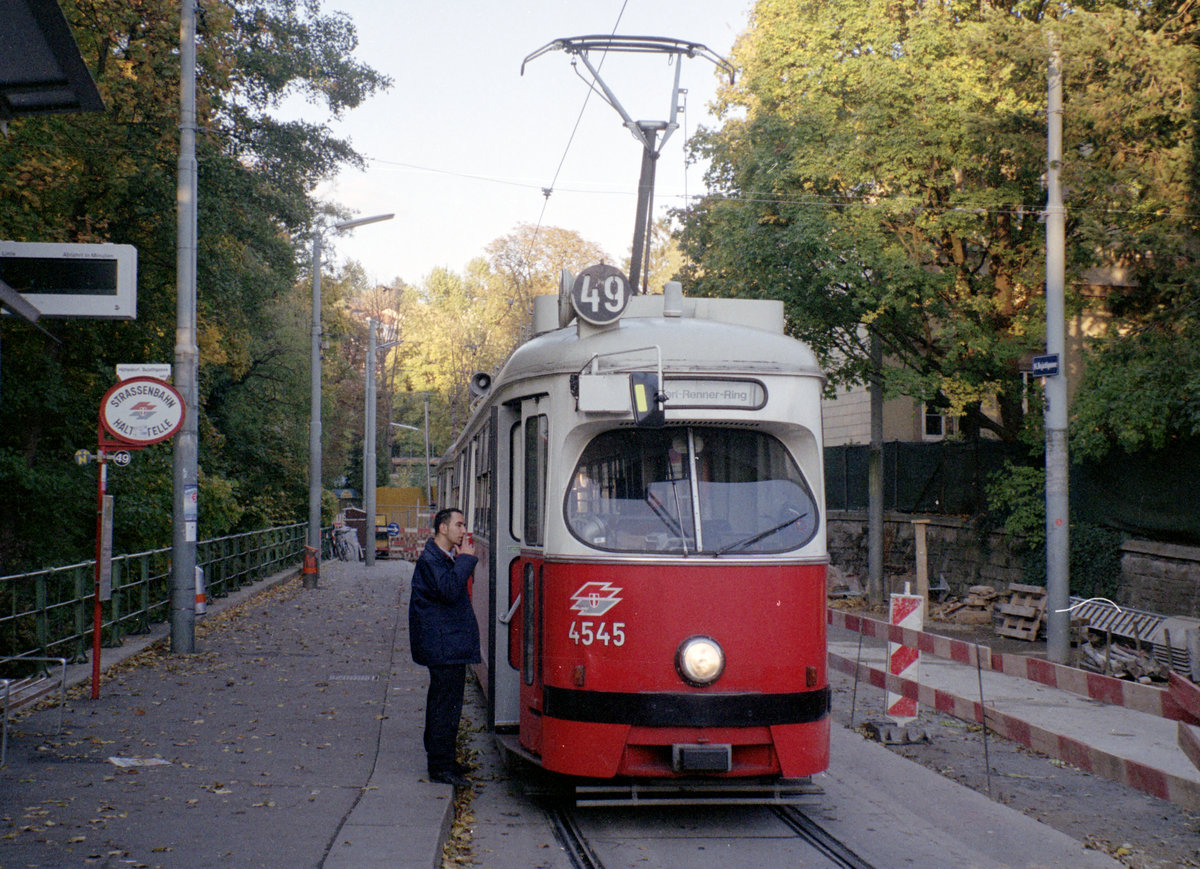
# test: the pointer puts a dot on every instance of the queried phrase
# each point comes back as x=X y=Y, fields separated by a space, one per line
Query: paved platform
x=291 y=738
x=1110 y=730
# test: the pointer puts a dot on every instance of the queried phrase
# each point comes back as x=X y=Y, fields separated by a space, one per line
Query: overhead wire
x=895 y=203
x=686 y=201
x=547 y=191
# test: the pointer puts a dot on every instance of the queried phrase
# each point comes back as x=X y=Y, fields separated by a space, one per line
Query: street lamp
x=314 y=425
x=428 y=487
x=369 y=492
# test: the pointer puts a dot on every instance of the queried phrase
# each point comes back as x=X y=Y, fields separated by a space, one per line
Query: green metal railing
x=50 y=612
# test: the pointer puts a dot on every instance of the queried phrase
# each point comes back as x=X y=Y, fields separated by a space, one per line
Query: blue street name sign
x=1045 y=366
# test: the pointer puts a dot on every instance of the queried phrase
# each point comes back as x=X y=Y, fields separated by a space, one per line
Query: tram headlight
x=700 y=660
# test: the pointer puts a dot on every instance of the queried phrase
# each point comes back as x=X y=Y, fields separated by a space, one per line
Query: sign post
x=136 y=413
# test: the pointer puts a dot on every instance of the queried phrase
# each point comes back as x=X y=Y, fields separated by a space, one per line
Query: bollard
x=201 y=593
x=309 y=571
x=905 y=612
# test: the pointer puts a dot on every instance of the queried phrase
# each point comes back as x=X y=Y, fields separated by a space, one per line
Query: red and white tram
x=645 y=491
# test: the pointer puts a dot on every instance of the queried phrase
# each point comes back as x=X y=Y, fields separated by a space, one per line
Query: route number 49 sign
x=600 y=294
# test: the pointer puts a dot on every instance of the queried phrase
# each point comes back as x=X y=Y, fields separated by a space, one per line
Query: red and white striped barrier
x=905 y=611
x=410 y=542
x=1107 y=689
x=1159 y=783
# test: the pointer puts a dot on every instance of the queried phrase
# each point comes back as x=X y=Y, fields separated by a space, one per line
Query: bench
x=16 y=693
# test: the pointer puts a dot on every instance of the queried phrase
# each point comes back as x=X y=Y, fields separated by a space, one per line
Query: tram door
x=529 y=442
x=504 y=663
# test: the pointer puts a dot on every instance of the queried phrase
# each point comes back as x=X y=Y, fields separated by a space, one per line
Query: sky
x=462 y=145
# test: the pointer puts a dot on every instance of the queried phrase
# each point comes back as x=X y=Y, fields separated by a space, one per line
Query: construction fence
x=1151 y=494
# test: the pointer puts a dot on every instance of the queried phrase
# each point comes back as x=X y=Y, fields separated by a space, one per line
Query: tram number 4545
x=587 y=633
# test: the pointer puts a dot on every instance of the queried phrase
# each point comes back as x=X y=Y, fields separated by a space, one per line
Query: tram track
x=573 y=841
x=581 y=855
x=812 y=833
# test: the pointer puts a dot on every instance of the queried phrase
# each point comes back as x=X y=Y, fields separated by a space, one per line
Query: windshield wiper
x=760 y=535
x=660 y=510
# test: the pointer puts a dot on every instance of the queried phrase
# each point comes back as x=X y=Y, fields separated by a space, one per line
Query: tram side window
x=462 y=482
x=643 y=490
x=483 y=488
x=515 y=454
x=536 y=442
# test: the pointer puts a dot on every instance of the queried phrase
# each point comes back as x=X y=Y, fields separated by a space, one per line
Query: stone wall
x=958 y=554
x=1158 y=577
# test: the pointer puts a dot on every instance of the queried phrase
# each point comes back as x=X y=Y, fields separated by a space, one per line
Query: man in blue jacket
x=444 y=636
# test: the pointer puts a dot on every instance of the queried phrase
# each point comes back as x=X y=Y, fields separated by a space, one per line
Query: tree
x=1133 y=106
x=453 y=325
x=529 y=262
x=456 y=329
x=879 y=166
x=111 y=177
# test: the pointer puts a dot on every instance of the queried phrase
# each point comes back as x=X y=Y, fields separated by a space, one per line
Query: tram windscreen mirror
x=647 y=402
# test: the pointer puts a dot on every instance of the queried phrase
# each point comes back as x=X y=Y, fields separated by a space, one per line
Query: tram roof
x=689 y=344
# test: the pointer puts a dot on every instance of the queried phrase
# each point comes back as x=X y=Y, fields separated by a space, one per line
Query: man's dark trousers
x=443 y=709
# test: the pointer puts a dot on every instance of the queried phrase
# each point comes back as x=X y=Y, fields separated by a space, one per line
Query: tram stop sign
x=142 y=411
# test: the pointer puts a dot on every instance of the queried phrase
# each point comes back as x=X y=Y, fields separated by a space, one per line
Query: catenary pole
x=314 y=418
x=428 y=484
x=875 y=590
x=315 y=487
x=1057 y=501
x=369 y=491
x=418 y=431
x=185 y=473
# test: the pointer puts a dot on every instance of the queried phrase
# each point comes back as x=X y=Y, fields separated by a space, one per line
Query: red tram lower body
x=602 y=690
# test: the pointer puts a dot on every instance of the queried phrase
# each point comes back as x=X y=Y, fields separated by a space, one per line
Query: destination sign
x=714 y=393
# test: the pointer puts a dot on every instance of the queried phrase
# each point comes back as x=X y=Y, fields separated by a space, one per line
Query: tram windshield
x=690 y=490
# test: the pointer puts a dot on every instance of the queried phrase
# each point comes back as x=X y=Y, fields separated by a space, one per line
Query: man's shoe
x=449 y=777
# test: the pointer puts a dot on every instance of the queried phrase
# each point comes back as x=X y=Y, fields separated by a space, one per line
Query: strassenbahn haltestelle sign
x=142 y=411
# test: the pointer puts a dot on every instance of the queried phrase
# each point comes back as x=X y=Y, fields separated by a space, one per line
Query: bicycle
x=346 y=544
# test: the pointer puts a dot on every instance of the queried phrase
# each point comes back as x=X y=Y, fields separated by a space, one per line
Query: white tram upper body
x=649 y=465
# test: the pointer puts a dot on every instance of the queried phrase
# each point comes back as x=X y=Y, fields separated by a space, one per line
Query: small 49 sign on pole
x=136 y=413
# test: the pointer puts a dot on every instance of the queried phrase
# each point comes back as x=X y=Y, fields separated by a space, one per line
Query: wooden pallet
x=1024 y=612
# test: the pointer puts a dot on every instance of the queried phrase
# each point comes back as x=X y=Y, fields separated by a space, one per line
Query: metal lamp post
x=185 y=472
x=314 y=426
x=369 y=439
x=428 y=490
x=1058 y=559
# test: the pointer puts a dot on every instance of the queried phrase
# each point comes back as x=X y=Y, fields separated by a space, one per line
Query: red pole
x=101 y=481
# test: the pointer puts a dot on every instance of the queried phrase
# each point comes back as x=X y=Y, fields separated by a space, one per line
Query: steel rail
x=573 y=841
x=813 y=834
